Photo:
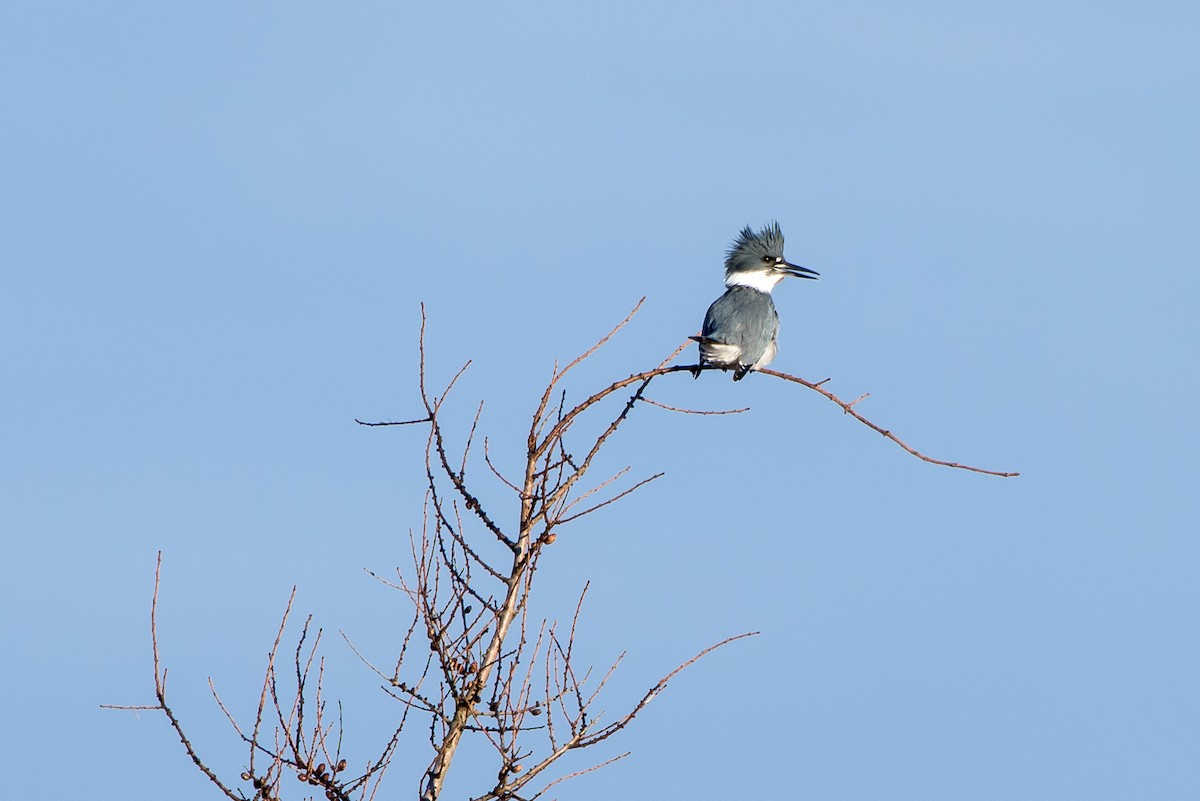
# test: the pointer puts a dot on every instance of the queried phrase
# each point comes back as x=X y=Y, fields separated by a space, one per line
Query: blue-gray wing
x=745 y=318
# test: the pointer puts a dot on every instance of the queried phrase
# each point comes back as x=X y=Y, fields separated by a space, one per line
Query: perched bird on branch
x=741 y=326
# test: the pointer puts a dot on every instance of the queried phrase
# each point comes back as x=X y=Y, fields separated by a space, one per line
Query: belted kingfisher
x=741 y=326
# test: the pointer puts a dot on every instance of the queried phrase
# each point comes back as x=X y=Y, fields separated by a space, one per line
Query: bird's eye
x=768 y=259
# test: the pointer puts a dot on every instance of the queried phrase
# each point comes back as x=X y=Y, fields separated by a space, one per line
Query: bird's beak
x=796 y=271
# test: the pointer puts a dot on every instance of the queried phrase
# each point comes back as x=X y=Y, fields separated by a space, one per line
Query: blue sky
x=219 y=221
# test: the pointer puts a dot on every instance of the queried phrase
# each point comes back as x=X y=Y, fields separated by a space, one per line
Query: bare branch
x=848 y=408
x=578 y=773
x=558 y=375
x=456 y=479
x=646 y=376
x=603 y=340
x=694 y=411
x=160 y=692
x=471 y=612
x=682 y=347
x=613 y=499
x=565 y=486
x=616 y=726
x=488 y=460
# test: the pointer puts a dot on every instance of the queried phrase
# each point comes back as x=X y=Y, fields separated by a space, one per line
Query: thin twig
x=613 y=499
x=487 y=458
x=694 y=411
x=578 y=773
x=160 y=691
x=616 y=726
x=393 y=423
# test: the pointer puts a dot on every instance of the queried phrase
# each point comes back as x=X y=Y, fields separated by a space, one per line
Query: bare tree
x=471 y=662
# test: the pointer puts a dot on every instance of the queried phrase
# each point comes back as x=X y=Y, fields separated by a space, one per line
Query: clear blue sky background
x=218 y=221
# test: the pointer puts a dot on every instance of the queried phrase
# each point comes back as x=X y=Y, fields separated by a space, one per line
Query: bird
x=741 y=326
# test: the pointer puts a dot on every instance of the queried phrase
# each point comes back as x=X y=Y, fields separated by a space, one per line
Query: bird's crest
x=748 y=250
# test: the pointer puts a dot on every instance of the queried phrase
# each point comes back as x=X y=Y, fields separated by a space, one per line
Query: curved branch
x=848 y=408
